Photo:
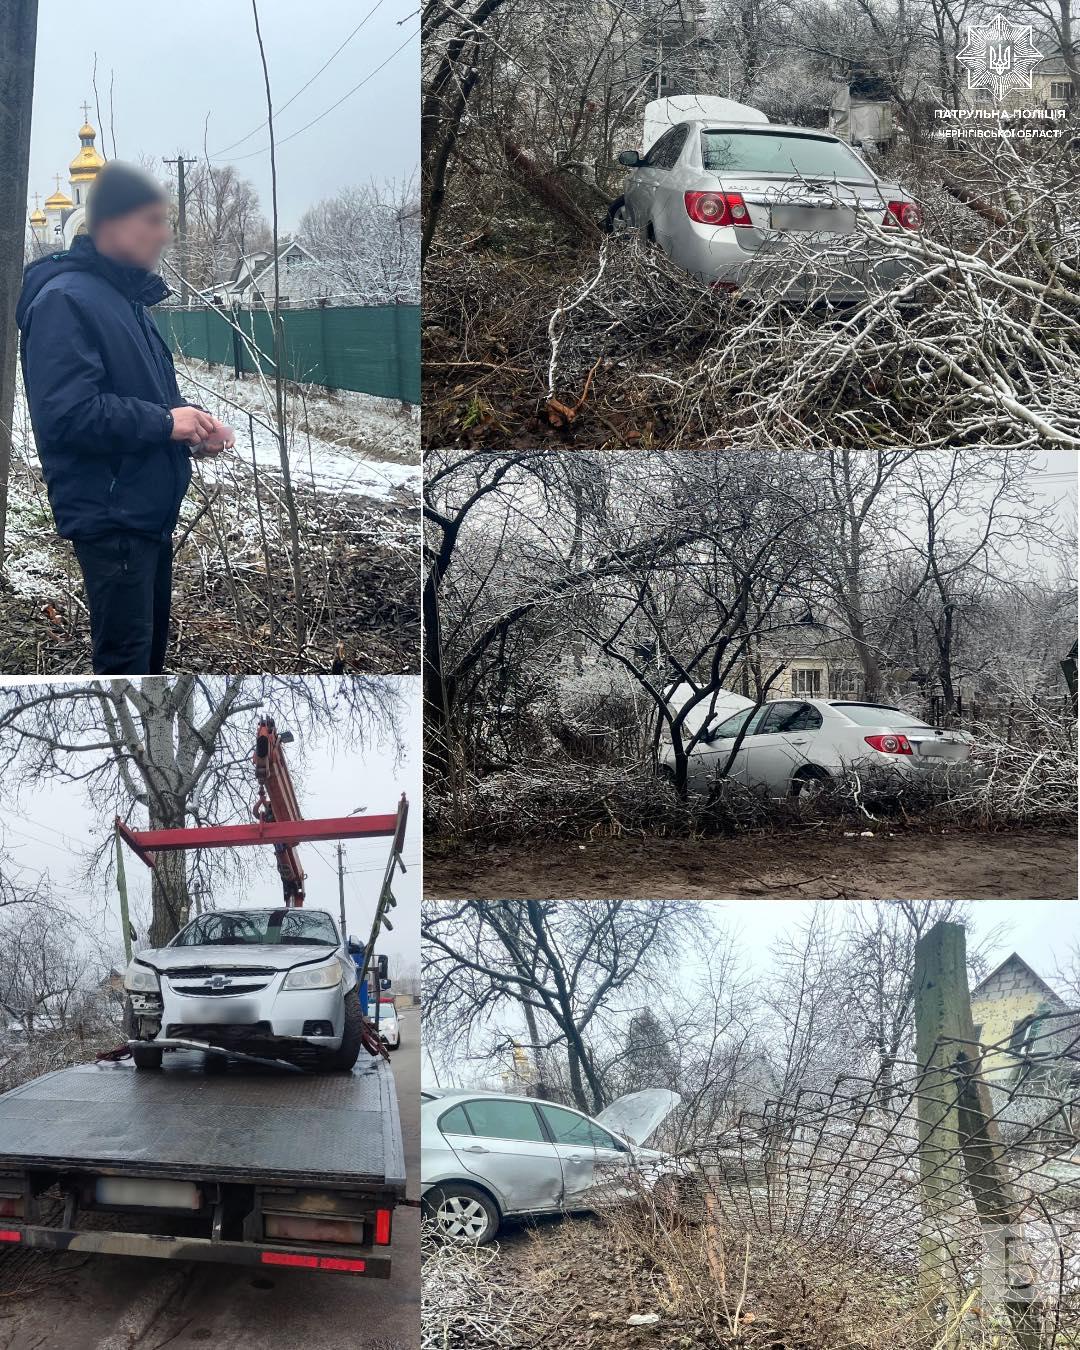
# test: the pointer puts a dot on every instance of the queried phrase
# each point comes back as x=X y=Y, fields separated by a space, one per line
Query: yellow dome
x=87 y=162
x=59 y=201
x=38 y=217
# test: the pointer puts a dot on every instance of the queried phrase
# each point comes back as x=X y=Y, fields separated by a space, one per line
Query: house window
x=1061 y=90
x=806 y=682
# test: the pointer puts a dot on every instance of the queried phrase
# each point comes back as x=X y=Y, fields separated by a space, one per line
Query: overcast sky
x=55 y=826
x=175 y=66
x=1040 y=931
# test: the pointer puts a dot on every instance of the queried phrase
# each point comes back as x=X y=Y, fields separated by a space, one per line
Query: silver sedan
x=792 y=746
x=722 y=199
x=485 y=1156
x=276 y=983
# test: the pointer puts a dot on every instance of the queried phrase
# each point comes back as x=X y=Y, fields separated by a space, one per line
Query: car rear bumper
x=765 y=264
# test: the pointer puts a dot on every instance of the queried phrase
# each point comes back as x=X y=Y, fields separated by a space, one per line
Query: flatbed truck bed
x=250 y=1165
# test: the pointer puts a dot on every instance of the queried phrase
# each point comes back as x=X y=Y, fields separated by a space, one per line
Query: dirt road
x=804 y=864
x=122 y=1303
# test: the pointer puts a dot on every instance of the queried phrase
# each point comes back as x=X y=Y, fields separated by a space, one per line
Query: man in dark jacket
x=114 y=437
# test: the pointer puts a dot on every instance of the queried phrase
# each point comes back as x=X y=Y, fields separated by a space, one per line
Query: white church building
x=55 y=223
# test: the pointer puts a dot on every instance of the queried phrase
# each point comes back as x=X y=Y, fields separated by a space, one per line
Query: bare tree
x=174 y=750
x=566 y=963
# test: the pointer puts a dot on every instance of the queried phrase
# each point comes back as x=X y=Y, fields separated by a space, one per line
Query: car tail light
x=907 y=215
x=10 y=1235
x=382 y=1227
x=717 y=208
x=890 y=745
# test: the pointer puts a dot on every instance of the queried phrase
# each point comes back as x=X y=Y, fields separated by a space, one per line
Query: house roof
x=284 y=246
x=1016 y=959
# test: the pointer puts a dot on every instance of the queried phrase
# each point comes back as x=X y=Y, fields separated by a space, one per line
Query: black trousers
x=129 y=593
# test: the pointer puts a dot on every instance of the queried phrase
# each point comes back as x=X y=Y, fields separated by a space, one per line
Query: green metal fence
x=373 y=349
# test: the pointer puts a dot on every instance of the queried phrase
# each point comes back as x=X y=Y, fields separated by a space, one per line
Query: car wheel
x=808 y=784
x=147 y=1056
x=461 y=1213
x=342 y=1060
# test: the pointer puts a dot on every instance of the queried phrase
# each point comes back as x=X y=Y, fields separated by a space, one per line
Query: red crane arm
x=278 y=803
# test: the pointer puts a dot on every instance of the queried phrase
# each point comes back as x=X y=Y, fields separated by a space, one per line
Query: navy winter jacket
x=100 y=382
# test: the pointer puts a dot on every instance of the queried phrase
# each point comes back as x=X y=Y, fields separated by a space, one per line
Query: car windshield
x=249 y=927
x=780 y=152
x=870 y=715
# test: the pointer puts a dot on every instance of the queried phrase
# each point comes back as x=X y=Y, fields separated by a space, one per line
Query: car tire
x=342 y=1059
x=807 y=783
x=147 y=1056
x=461 y=1213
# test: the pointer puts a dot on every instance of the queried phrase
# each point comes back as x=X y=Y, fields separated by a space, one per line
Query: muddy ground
x=807 y=864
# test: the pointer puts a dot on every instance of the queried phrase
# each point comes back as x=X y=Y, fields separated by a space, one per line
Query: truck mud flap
x=337 y=1259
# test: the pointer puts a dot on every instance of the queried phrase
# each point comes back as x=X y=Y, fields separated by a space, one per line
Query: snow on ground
x=352 y=443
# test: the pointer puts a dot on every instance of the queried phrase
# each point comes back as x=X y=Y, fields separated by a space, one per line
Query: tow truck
x=264 y=1165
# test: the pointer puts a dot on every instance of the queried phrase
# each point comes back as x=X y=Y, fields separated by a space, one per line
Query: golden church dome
x=87 y=163
x=37 y=217
x=59 y=201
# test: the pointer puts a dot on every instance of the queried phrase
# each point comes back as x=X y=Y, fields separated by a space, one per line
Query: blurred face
x=136 y=239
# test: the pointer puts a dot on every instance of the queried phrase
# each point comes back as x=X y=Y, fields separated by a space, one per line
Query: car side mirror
x=383 y=967
x=630 y=158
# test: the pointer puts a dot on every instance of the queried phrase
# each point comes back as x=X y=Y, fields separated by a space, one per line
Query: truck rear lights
x=139 y=1193
x=890 y=745
x=11 y=1207
x=357 y=1267
x=907 y=215
x=717 y=208
x=10 y=1235
x=382 y=1227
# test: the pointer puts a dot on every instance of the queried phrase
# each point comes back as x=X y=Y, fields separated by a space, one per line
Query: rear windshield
x=779 y=152
x=869 y=715
x=249 y=927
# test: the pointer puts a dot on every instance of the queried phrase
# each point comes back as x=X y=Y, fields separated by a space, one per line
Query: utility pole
x=341 y=886
x=18 y=45
x=121 y=886
x=961 y=1152
x=181 y=223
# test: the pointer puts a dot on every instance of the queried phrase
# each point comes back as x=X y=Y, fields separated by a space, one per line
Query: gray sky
x=56 y=825
x=1040 y=931
x=176 y=64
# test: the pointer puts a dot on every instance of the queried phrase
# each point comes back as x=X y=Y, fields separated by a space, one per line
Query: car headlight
x=314 y=977
x=140 y=979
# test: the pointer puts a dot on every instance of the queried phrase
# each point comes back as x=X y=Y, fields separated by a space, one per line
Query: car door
x=711 y=756
x=502 y=1143
x=783 y=743
x=589 y=1155
x=650 y=175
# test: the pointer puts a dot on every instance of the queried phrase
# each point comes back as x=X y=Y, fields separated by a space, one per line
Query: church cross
x=86 y=112
x=57 y=177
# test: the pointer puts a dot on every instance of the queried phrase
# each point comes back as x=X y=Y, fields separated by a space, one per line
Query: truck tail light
x=717 y=208
x=890 y=745
x=10 y=1235
x=11 y=1207
x=356 y=1267
x=907 y=215
x=382 y=1227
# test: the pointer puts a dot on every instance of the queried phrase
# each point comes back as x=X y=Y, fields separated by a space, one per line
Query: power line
x=370 y=76
x=310 y=82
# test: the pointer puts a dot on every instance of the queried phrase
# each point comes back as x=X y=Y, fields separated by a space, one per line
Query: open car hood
x=637 y=1115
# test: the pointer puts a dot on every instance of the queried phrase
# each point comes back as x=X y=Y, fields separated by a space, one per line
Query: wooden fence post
x=960 y=1148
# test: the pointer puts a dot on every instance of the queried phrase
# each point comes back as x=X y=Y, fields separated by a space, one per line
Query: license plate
x=814 y=219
